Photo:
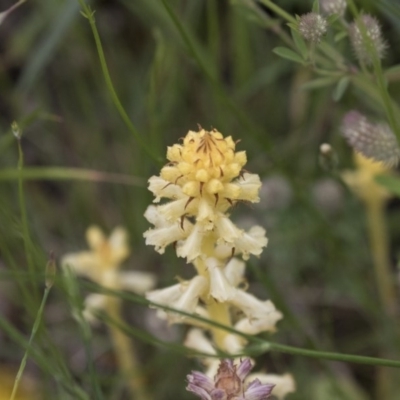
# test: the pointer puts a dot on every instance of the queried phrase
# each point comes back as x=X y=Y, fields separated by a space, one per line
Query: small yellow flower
x=101 y=264
x=362 y=179
x=203 y=179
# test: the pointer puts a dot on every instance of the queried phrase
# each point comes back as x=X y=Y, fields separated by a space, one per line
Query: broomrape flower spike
x=203 y=179
x=229 y=383
x=101 y=264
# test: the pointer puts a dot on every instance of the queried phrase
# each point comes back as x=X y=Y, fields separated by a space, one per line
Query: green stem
x=89 y=14
x=24 y=219
x=277 y=10
x=33 y=333
x=125 y=352
x=332 y=356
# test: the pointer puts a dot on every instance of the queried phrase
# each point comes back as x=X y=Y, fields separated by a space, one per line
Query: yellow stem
x=380 y=254
x=219 y=312
x=125 y=353
x=375 y=208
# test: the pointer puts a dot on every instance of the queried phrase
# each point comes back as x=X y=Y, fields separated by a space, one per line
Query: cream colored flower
x=101 y=264
x=203 y=179
x=362 y=180
x=284 y=384
x=218 y=284
x=183 y=296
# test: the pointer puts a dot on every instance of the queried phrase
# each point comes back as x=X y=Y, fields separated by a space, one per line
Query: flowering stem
x=380 y=254
x=24 y=219
x=219 y=312
x=33 y=333
x=125 y=353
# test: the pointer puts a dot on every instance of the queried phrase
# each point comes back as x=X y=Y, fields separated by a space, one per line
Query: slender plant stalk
x=125 y=352
x=380 y=254
x=279 y=11
x=375 y=209
x=89 y=14
x=33 y=333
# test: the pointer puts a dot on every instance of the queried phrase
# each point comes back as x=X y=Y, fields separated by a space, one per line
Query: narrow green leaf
x=59 y=173
x=315 y=6
x=300 y=44
x=339 y=36
x=318 y=83
x=340 y=88
x=391 y=183
x=393 y=73
x=332 y=19
x=288 y=54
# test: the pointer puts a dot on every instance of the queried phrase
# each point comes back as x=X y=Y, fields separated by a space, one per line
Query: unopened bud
x=16 y=130
x=376 y=141
x=51 y=270
x=366 y=37
x=312 y=27
x=330 y=7
x=328 y=158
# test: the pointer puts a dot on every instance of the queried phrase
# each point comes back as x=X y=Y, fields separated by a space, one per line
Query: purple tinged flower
x=312 y=27
x=376 y=141
x=365 y=33
x=228 y=383
x=330 y=7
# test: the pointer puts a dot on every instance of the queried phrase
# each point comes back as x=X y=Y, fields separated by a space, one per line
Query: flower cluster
x=366 y=36
x=330 y=7
x=229 y=383
x=101 y=264
x=376 y=141
x=312 y=27
x=362 y=180
x=202 y=181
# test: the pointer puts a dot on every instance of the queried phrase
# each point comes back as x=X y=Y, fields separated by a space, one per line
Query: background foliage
x=215 y=68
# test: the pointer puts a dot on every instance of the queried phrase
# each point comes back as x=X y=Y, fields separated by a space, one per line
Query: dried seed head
x=365 y=37
x=376 y=141
x=312 y=27
x=330 y=7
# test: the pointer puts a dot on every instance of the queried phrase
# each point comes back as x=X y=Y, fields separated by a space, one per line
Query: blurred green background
x=212 y=66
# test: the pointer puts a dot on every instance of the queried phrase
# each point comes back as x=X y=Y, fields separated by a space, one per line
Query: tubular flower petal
x=251 y=242
x=197 y=340
x=165 y=232
x=234 y=271
x=228 y=383
x=261 y=315
x=220 y=288
x=182 y=296
x=283 y=384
